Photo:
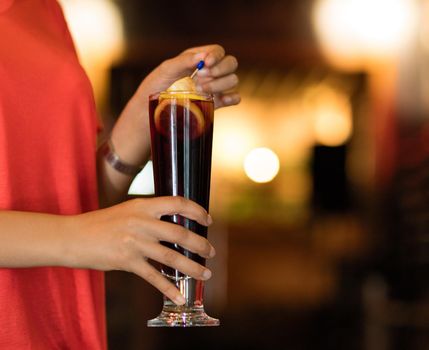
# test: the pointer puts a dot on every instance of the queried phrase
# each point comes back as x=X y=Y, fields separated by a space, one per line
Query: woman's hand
x=217 y=77
x=125 y=236
x=131 y=136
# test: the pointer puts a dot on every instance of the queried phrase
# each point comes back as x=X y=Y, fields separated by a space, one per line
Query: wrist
x=130 y=136
x=70 y=251
x=81 y=243
x=114 y=160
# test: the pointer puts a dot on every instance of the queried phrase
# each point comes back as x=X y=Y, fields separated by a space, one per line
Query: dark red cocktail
x=181 y=134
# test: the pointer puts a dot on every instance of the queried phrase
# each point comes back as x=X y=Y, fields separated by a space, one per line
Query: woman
x=55 y=242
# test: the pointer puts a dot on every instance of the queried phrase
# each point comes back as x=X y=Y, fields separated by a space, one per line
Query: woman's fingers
x=146 y=271
x=173 y=233
x=186 y=62
x=161 y=206
x=219 y=85
x=217 y=77
x=169 y=232
x=146 y=232
x=227 y=65
x=224 y=100
x=212 y=53
x=175 y=260
x=180 y=65
x=221 y=81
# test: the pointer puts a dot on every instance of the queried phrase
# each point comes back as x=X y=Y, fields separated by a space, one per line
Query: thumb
x=181 y=65
x=168 y=72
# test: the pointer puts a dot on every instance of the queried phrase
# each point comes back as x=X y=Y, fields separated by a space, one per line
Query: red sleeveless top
x=48 y=129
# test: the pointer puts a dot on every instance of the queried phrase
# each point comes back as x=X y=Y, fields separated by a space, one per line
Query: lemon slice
x=163 y=112
x=184 y=84
x=187 y=95
x=183 y=88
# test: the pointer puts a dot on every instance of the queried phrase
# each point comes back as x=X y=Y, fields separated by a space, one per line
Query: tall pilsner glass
x=181 y=124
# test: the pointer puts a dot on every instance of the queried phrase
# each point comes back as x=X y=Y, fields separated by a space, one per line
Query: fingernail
x=210 y=60
x=206 y=274
x=203 y=72
x=212 y=252
x=199 y=56
x=180 y=299
x=209 y=219
x=227 y=99
x=199 y=88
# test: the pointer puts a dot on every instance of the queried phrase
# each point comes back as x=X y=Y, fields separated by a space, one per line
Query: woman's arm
x=131 y=136
x=122 y=237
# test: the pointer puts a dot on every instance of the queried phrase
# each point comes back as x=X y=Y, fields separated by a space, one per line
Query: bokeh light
x=96 y=27
x=261 y=165
x=97 y=30
x=355 y=33
x=332 y=118
x=235 y=135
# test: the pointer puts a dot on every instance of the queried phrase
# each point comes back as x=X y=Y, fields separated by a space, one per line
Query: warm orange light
x=332 y=116
x=96 y=27
x=332 y=127
x=290 y=130
x=235 y=134
x=261 y=165
x=355 y=33
x=97 y=30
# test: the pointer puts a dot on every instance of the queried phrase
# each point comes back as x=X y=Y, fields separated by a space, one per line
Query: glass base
x=181 y=316
x=192 y=313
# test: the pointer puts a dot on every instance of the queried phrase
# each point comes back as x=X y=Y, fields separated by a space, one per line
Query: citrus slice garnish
x=164 y=112
x=184 y=84
x=184 y=88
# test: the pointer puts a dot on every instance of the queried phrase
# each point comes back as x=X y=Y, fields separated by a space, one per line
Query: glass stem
x=192 y=290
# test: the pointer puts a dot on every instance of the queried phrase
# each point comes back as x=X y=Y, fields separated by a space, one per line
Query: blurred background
x=320 y=183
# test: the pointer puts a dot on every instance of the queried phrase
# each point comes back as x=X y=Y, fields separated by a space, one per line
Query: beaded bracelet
x=109 y=154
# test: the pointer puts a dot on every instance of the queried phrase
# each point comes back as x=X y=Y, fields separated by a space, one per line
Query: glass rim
x=205 y=95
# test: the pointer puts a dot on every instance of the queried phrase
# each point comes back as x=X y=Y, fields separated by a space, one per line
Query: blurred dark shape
x=261 y=33
x=330 y=183
x=403 y=260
